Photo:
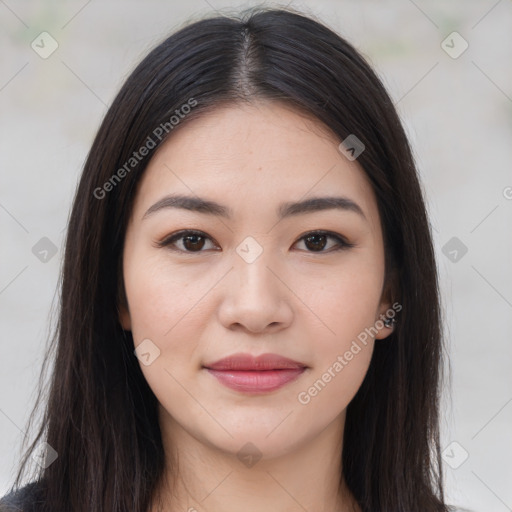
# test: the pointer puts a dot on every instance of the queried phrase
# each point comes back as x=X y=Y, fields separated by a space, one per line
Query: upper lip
x=249 y=362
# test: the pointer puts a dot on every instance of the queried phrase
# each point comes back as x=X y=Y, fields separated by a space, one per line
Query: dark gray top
x=26 y=499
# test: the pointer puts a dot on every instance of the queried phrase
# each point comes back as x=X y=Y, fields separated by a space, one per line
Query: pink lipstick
x=249 y=374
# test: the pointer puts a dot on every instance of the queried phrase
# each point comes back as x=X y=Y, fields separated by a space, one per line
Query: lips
x=251 y=363
x=249 y=374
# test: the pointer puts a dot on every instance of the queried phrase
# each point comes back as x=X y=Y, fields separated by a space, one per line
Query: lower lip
x=256 y=381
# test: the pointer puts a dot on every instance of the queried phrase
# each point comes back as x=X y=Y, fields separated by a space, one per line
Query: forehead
x=254 y=156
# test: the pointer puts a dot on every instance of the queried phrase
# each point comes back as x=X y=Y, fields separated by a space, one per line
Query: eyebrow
x=287 y=209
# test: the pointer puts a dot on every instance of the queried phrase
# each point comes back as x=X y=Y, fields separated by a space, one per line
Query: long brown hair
x=101 y=415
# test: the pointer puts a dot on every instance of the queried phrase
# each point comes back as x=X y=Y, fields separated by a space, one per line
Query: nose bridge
x=251 y=269
x=254 y=296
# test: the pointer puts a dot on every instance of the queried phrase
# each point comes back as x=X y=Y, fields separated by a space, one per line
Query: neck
x=201 y=477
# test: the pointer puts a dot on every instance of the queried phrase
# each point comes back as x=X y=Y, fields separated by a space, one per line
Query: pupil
x=316 y=245
x=194 y=241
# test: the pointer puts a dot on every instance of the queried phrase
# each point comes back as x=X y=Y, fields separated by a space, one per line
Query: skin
x=198 y=307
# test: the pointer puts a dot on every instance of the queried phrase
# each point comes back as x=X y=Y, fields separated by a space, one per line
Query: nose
x=255 y=297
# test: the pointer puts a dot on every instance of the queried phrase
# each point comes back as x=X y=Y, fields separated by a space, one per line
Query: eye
x=192 y=241
x=317 y=241
x=195 y=241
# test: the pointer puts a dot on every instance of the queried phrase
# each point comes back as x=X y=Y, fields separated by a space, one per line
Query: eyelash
x=168 y=241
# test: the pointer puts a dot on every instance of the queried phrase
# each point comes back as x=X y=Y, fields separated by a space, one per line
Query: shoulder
x=24 y=499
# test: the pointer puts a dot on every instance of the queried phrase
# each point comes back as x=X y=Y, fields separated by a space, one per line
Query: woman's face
x=255 y=280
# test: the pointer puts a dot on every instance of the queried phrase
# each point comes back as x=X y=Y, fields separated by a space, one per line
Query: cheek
x=165 y=308
x=346 y=301
x=346 y=305
x=169 y=305
x=333 y=385
x=160 y=297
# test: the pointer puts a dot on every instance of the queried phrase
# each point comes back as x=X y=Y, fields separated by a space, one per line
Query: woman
x=250 y=308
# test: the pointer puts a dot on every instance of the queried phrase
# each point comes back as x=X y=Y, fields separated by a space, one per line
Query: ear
x=124 y=317
x=388 y=308
x=122 y=308
x=384 y=331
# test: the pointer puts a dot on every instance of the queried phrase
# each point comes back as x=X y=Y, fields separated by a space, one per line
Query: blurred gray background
x=61 y=63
